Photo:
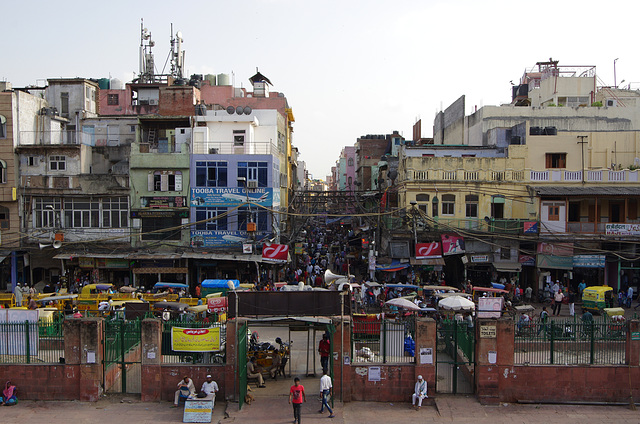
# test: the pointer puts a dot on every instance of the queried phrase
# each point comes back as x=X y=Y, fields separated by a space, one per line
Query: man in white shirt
x=186 y=386
x=210 y=387
x=325 y=393
x=420 y=392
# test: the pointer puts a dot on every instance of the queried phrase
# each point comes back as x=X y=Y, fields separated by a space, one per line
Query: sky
x=347 y=68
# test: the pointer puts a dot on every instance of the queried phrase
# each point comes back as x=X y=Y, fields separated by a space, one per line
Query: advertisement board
x=213 y=238
x=230 y=196
x=452 y=244
x=195 y=339
x=428 y=250
x=622 y=229
x=217 y=304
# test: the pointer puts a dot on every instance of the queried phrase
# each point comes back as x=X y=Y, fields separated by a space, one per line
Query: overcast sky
x=348 y=68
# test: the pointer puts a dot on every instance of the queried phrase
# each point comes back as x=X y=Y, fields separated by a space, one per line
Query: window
x=149 y=225
x=448 y=204
x=32 y=161
x=3 y=127
x=238 y=138
x=434 y=207
x=3 y=172
x=422 y=197
x=165 y=181
x=57 y=163
x=4 y=218
x=64 y=103
x=554 y=213
x=574 y=212
x=350 y=162
x=113 y=100
x=350 y=182
x=211 y=214
x=254 y=171
x=46 y=210
x=115 y=212
x=505 y=252
x=556 y=160
x=260 y=217
x=211 y=174
x=81 y=212
x=471 y=206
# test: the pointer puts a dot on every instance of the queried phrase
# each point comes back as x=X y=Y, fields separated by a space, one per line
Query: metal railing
x=383 y=341
x=570 y=342
x=169 y=356
x=120 y=338
x=32 y=342
x=458 y=338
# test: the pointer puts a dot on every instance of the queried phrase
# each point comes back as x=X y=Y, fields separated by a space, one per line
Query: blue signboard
x=589 y=261
x=230 y=196
x=215 y=238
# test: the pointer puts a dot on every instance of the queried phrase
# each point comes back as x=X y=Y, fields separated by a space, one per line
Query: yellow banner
x=195 y=339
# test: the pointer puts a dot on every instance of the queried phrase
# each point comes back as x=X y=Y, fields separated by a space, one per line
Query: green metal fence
x=241 y=363
x=570 y=342
x=169 y=356
x=32 y=342
x=457 y=337
x=383 y=341
x=120 y=337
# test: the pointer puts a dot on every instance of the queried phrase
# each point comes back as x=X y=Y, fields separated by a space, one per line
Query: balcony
x=53 y=138
x=491 y=225
x=235 y=148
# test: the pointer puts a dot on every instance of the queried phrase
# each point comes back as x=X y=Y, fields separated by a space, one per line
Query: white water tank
x=116 y=84
x=223 y=79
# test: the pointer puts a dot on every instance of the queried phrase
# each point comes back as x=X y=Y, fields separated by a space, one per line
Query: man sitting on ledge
x=252 y=372
x=186 y=388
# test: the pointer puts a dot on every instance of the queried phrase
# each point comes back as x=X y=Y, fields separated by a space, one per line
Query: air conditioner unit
x=153 y=102
x=252 y=184
x=213 y=151
x=612 y=103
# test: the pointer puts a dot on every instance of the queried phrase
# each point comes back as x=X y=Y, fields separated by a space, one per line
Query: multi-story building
x=559 y=178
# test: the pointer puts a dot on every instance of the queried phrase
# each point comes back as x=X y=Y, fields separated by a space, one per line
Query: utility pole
x=582 y=143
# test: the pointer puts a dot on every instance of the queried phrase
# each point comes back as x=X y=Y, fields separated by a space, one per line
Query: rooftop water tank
x=211 y=78
x=103 y=83
x=223 y=79
x=116 y=84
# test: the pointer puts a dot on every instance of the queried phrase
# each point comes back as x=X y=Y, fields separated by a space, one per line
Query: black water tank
x=550 y=131
x=535 y=131
x=515 y=140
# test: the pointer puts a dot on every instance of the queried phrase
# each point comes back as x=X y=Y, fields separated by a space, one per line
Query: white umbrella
x=403 y=303
x=456 y=303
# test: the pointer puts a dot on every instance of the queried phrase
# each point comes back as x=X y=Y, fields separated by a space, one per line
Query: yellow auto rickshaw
x=596 y=298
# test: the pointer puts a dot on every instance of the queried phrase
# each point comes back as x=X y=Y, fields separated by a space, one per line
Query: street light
x=232 y=287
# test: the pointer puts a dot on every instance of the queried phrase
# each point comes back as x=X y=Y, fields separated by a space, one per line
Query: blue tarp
x=394 y=266
x=210 y=284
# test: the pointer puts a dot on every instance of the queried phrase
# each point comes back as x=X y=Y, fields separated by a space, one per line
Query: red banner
x=275 y=252
x=217 y=304
x=428 y=250
x=452 y=244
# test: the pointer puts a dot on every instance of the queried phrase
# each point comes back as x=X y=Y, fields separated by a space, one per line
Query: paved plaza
x=270 y=409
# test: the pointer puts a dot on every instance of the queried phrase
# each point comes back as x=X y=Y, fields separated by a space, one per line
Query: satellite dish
x=230 y=110
x=239 y=110
x=247 y=110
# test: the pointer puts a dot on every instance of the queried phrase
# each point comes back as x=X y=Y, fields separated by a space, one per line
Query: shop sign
x=230 y=196
x=214 y=238
x=589 y=261
x=478 y=259
x=163 y=202
x=527 y=260
x=530 y=227
x=195 y=339
x=159 y=213
x=299 y=248
x=217 y=304
x=112 y=263
x=85 y=262
x=273 y=252
x=635 y=335
x=488 y=332
x=428 y=250
x=622 y=229
x=490 y=307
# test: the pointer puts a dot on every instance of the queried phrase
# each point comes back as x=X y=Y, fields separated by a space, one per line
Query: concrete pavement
x=270 y=408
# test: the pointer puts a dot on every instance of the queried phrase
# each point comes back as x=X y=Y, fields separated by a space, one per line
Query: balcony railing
x=548 y=175
x=500 y=226
x=230 y=148
x=38 y=138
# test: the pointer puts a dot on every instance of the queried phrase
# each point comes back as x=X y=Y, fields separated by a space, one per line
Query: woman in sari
x=8 y=397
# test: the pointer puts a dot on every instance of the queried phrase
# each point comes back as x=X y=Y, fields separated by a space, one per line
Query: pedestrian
x=572 y=303
x=527 y=293
x=544 y=317
x=419 y=393
x=557 y=299
x=324 y=347
x=325 y=393
x=629 y=296
x=296 y=398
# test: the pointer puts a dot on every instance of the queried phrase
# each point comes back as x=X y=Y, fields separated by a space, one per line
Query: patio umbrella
x=403 y=303
x=456 y=303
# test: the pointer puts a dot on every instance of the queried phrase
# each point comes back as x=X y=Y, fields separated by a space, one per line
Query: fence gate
x=455 y=351
x=122 y=356
x=241 y=364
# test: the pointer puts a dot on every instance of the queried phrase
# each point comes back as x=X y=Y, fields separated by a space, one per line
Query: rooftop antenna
x=177 y=54
x=146 y=65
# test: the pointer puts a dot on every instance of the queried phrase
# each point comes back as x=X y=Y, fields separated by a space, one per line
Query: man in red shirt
x=324 y=348
x=296 y=397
